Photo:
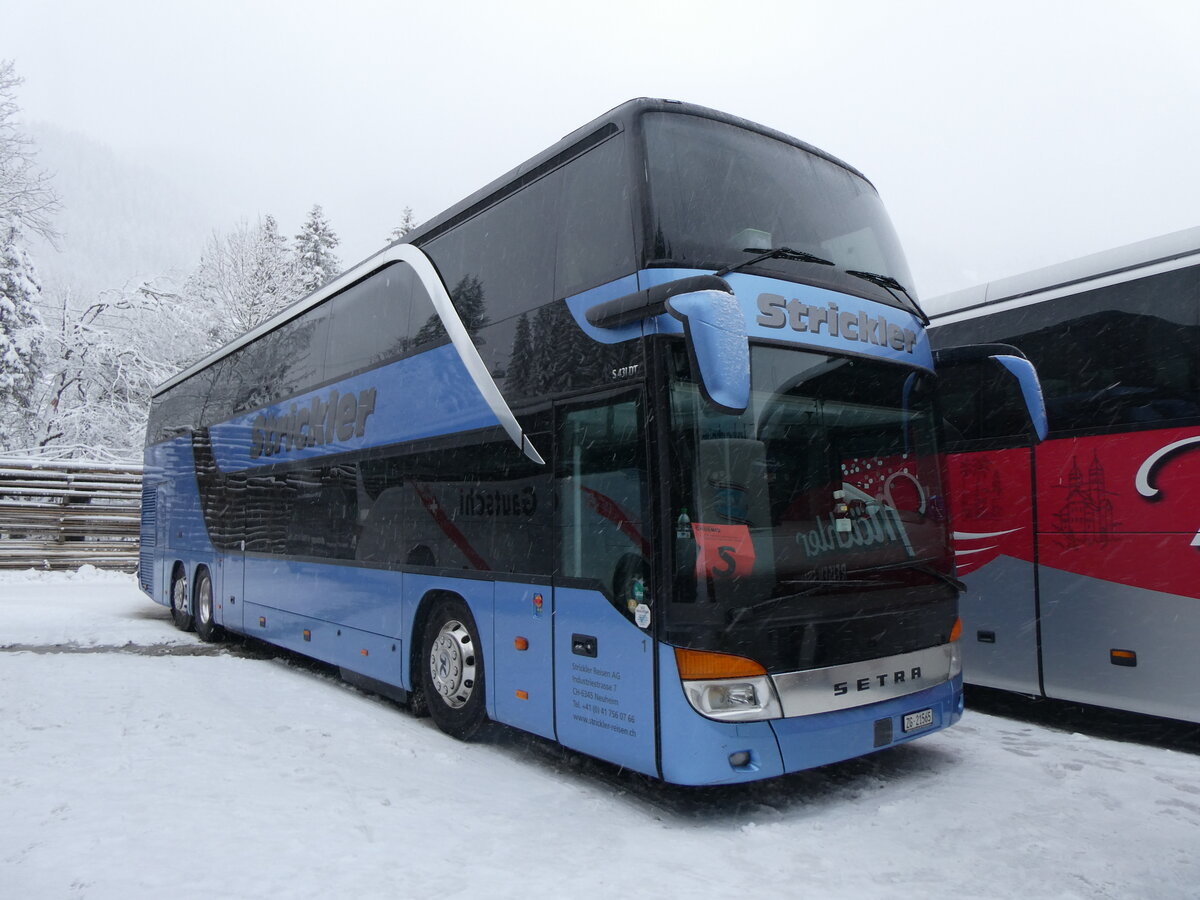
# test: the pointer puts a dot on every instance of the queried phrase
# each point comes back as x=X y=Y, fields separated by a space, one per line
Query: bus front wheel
x=452 y=671
x=181 y=613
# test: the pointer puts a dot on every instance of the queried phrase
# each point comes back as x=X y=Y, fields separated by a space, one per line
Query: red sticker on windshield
x=723 y=551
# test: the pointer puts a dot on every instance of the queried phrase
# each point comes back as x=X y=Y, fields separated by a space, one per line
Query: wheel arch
x=200 y=569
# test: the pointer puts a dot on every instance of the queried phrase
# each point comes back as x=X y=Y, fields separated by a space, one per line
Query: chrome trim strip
x=857 y=684
x=474 y=363
x=406 y=253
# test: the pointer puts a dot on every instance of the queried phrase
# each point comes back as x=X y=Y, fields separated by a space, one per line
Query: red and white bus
x=1082 y=553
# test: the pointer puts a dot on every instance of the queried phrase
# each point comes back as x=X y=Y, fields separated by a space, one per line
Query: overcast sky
x=1002 y=136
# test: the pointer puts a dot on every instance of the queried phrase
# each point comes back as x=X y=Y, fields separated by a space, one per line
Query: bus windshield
x=823 y=500
x=717 y=191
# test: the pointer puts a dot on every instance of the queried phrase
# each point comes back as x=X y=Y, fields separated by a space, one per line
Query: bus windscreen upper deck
x=717 y=191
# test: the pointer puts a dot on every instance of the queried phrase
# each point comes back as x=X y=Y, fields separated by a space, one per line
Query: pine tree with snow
x=314 y=246
x=21 y=340
x=408 y=222
x=243 y=279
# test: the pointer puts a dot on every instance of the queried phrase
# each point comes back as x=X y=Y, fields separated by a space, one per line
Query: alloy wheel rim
x=452 y=664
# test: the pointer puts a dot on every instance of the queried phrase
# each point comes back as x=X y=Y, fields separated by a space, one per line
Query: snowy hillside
x=119 y=222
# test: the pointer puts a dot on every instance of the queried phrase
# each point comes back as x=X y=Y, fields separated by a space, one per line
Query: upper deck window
x=717 y=189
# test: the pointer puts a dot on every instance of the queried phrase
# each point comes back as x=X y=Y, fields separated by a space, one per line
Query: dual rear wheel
x=194 y=612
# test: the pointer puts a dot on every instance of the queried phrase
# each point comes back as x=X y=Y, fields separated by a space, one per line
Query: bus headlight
x=955 y=659
x=956 y=648
x=727 y=687
x=736 y=700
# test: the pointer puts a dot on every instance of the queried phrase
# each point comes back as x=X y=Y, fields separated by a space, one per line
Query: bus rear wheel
x=181 y=613
x=207 y=628
x=452 y=670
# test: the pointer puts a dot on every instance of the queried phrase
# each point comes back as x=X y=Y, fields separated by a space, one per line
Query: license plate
x=922 y=719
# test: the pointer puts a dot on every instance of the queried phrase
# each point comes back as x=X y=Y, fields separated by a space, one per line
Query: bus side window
x=371 y=321
x=595 y=239
x=491 y=279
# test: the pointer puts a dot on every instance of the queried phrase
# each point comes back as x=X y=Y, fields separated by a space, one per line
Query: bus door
x=604 y=649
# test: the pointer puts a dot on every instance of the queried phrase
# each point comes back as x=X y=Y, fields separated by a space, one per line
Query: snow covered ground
x=136 y=762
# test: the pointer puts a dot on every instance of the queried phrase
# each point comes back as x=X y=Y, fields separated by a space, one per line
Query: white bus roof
x=1164 y=253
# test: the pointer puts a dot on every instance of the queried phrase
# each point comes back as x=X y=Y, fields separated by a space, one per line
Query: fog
x=1002 y=137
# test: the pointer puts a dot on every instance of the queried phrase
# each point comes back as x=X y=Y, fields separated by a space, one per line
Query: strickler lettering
x=338 y=417
x=775 y=311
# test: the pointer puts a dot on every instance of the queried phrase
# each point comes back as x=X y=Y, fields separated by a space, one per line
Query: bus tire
x=181 y=613
x=207 y=628
x=452 y=669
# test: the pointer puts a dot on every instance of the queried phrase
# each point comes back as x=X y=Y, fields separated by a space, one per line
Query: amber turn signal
x=697 y=665
x=956 y=631
x=521 y=643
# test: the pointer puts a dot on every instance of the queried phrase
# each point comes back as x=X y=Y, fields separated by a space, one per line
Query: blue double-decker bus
x=634 y=449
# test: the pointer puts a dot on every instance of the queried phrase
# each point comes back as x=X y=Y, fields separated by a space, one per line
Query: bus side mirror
x=1031 y=389
x=718 y=344
x=1000 y=361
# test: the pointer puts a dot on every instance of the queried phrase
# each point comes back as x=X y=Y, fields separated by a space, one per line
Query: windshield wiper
x=774 y=253
x=923 y=568
x=736 y=615
x=891 y=285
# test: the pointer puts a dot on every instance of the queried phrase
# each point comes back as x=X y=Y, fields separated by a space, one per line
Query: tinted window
x=171 y=413
x=595 y=237
x=277 y=365
x=295 y=353
x=1124 y=355
x=223 y=391
x=321 y=513
x=501 y=262
x=481 y=506
x=716 y=190
x=309 y=512
x=371 y=321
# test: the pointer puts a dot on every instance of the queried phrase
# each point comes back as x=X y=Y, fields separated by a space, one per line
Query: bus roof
x=1113 y=266
x=616 y=119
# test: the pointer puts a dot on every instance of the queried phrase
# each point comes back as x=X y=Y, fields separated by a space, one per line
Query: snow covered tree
x=26 y=197
x=243 y=279
x=103 y=364
x=407 y=223
x=21 y=340
x=27 y=203
x=314 y=247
